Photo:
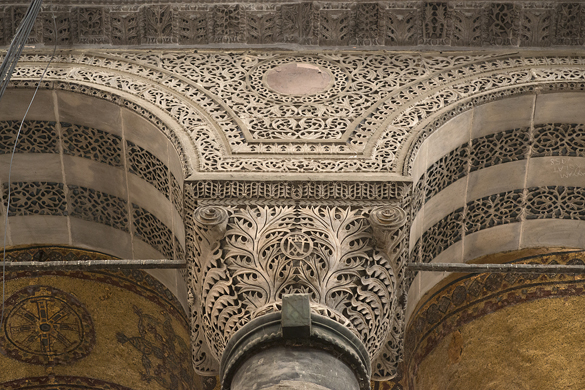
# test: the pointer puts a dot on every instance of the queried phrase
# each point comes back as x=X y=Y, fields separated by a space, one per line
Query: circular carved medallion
x=46 y=326
x=296 y=245
x=297 y=79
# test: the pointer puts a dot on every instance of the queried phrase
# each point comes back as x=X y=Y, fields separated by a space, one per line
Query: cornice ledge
x=222 y=23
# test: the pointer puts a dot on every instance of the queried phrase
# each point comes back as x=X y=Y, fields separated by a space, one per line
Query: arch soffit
x=422 y=131
x=172 y=130
x=402 y=119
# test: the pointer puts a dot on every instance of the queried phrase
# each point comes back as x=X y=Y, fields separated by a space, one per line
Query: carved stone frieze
x=386 y=23
x=348 y=257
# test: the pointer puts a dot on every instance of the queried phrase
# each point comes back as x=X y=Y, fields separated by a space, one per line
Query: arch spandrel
x=418 y=87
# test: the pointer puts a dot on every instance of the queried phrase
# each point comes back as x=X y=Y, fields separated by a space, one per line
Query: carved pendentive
x=244 y=258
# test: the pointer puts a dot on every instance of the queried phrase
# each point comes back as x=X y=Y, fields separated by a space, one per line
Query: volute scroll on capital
x=245 y=257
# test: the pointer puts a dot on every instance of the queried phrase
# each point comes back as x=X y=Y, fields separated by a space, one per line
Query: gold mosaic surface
x=501 y=331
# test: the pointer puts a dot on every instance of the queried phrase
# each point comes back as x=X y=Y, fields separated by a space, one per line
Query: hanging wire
x=17 y=44
x=10 y=63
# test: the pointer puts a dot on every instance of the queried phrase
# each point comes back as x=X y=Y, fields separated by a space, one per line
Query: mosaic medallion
x=46 y=326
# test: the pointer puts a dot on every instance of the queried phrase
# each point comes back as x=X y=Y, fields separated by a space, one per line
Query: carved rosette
x=245 y=258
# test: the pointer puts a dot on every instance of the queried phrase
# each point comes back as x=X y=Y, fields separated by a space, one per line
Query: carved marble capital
x=347 y=257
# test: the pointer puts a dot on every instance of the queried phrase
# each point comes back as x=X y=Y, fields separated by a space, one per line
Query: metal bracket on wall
x=88 y=265
x=498 y=268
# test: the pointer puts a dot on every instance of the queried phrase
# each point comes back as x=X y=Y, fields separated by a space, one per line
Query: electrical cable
x=11 y=162
x=17 y=44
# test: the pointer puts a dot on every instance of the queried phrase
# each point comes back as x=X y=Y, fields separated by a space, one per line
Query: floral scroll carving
x=244 y=258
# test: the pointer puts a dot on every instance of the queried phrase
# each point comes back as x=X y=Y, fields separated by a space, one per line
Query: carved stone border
x=385 y=23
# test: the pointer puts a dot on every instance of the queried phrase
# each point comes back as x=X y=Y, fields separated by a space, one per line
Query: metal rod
x=498 y=268
x=88 y=265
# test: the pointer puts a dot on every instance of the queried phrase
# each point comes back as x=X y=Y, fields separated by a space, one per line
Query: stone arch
x=90 y=173
x=501 y=176
x=496 y=179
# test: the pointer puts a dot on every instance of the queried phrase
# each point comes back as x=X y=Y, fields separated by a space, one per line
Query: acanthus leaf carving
x=266 y=251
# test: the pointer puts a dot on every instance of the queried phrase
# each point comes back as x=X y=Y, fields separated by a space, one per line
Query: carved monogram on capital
x=245 y=258
x=456 y=23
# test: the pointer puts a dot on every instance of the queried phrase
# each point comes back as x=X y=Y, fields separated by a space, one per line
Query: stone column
x=294 y=349
x=295 y=293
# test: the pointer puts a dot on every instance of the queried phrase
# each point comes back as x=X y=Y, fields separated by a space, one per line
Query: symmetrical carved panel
x=383 y=99
x=242 y=258
x=402 y=26
x=158 y=24
x=93 y=25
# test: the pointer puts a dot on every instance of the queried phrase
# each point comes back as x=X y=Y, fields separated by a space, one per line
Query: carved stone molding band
x=385 y=23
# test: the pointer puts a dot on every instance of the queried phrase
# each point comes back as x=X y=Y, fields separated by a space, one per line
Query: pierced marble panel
x=569 y=24
x=499 y=148
x=556 y=202
x=96 y=206
x=402 y=26
x=35 y=198
x=147 y=166
x=494 y=210
x=151 y=230
x=442 y=235
x=35 y=137
x=436 y=23
x=418 y=195
x=94 y=144
x=177 y=195
x=447 y=170
x=559 y=139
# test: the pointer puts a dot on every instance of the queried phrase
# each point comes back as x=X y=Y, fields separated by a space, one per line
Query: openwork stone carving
x=153 y=231
x=35 y=198
x=548 y=202
x=402 y=102
x=96 y=206
x=35 y=137
x=243 y=258
x=97 y=145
